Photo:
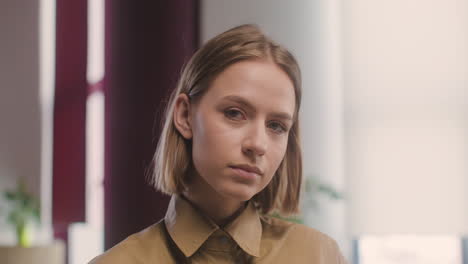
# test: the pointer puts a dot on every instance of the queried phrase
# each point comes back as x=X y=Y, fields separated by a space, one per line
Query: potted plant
x=24 y=210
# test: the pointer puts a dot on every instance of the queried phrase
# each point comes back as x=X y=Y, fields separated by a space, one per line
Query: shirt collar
x=186 y=226
x=189 y=229
x=246 y=230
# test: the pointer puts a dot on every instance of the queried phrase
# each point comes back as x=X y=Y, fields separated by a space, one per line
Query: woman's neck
x=218 y=208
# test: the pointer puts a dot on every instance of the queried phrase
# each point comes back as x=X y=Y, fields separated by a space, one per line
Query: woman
x=229 y=154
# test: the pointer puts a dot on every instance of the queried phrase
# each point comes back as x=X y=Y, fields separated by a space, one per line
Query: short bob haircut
x=173 y=156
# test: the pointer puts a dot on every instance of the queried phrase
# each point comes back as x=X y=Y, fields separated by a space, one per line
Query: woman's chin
x=239 y=194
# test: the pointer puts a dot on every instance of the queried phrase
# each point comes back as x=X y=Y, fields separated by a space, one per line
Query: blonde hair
x=173 y=156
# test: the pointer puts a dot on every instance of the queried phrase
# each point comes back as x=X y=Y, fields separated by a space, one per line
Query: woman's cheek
x=279 y=153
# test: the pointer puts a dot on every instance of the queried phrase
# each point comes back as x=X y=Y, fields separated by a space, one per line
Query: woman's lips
x=244 y=174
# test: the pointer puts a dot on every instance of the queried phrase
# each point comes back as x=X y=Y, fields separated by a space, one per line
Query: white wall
x=20 y=131
x=311 y=30
x=406 y=90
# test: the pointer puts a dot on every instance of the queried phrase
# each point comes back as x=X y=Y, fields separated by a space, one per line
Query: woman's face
x=240 y=128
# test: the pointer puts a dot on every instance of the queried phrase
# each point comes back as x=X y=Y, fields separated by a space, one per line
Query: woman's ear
x=182 y=118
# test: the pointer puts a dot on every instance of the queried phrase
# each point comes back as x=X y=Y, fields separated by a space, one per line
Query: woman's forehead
x=258 y=82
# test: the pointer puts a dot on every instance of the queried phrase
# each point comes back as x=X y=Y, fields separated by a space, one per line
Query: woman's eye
x=277 y=127
x=234 y=114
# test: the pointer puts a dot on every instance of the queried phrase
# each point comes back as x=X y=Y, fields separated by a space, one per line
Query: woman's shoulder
x=137 y=247
x=301 y=239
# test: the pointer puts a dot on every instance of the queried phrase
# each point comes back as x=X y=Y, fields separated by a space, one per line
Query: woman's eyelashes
x=236 y=114
x=277 y=127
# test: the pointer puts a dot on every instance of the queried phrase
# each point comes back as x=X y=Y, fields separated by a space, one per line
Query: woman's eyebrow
x=240 y=100
x=245 y=103
x=282 y=115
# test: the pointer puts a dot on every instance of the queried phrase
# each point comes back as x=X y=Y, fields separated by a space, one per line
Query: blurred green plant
x=24 y=209
x=313 y=189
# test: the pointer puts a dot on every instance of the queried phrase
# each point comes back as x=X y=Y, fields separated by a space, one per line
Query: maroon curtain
x=147 y=42
x=69 y=116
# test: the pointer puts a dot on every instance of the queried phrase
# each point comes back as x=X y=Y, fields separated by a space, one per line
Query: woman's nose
x=255 y=141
